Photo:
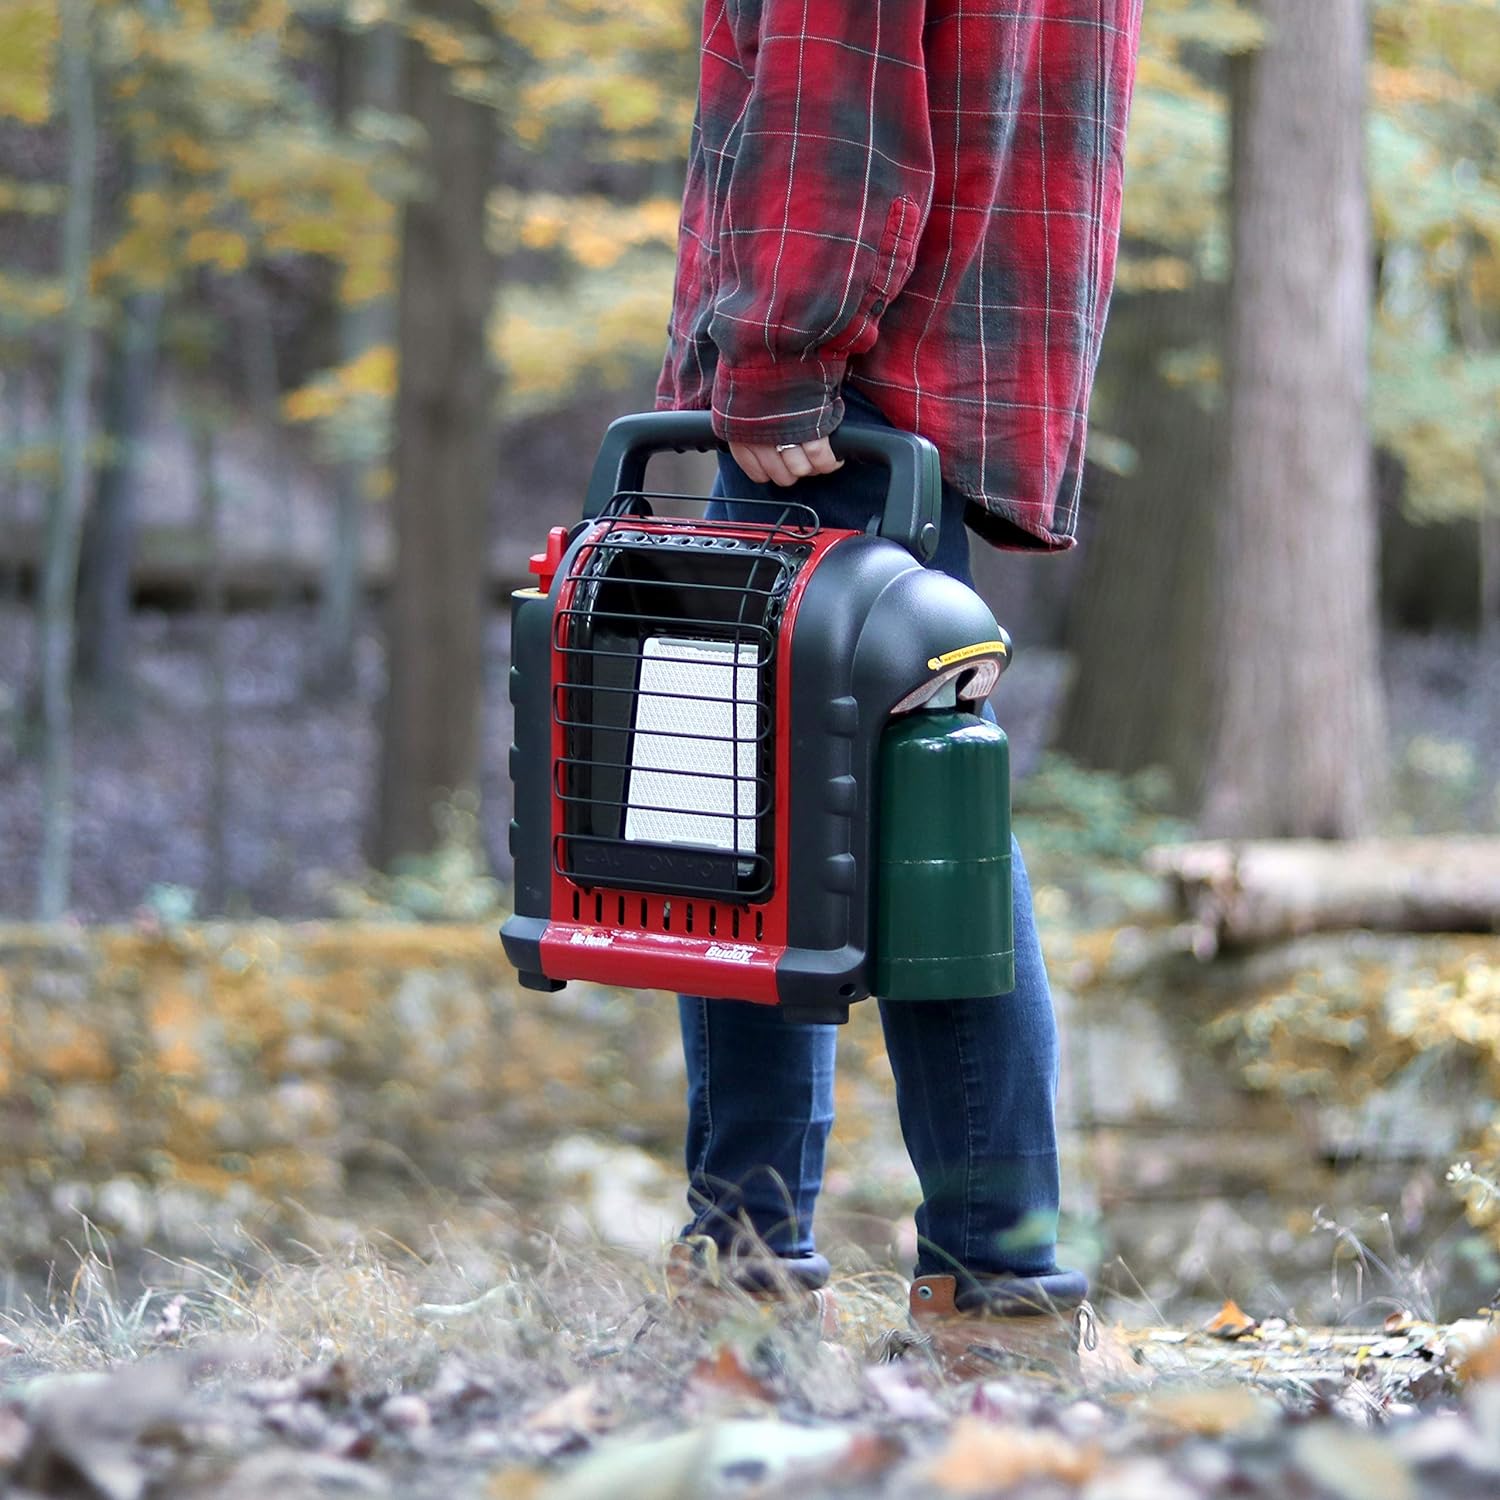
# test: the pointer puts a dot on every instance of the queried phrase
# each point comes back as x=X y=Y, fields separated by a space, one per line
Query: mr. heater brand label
x=592 y=939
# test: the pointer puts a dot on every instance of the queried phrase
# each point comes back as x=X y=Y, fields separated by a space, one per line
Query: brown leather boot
x=1013 y=1326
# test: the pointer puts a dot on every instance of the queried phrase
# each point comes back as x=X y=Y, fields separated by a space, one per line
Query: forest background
x=288 y=398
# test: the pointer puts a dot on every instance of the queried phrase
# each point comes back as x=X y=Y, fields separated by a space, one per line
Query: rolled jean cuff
x=1021 y=1296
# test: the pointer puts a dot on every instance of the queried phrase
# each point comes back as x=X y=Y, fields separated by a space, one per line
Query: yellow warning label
x=984 y=648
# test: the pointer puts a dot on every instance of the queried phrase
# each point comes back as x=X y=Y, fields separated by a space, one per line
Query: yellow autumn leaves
x=373 y=373
x=594 y=231
x=287 y=193
x=27 y=55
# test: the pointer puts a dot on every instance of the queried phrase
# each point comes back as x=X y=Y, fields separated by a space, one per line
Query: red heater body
x=699 y=707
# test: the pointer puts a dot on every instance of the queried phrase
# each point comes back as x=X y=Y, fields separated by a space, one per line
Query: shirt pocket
x=891 y=265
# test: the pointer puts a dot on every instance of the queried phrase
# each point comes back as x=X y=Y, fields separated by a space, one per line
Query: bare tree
x=106 y=563
x=444 y=461
x=108 y=548
x=209 y=524
x=65 y=519
x=369 y=69
x=1297 y=739
x=1138 y=616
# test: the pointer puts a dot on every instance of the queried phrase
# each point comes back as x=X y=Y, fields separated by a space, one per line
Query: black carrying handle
x=913 y=498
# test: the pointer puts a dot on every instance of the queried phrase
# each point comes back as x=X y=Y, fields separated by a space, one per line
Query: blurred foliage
x=227 y=112
x=452 y=884
x=1435 y=175
x=1066 y=809
x=1177 y=148
x=1344 y=1035
x=1440 y=786
x=1434 y=144
x=1083 y=833
x=217 y=103
x=30 y=29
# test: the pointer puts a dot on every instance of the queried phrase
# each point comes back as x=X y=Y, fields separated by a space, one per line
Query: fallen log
x=171 y=560
x=1265 y=890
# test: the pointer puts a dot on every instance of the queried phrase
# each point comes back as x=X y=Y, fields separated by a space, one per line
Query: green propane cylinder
x=945 y=925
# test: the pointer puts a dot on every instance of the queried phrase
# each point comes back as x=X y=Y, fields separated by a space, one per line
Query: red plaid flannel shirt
x=921 y=197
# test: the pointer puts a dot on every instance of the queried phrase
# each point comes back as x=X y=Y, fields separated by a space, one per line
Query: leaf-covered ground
x=565 y=1373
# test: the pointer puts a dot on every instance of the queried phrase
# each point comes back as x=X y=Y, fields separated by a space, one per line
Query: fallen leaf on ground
x=1481 y=1361
x=581 y=1407
x=870 y=1454
x=406 y=1413
x=300 y=1476
x=725 y=1371
x=903 y=1400
x=328 y=1383
x=761 y=1451
x=456 y=1386
x=980 y=1458
x=1006 y=1403
x=13 y=1434
x=302 y=1422
x=1447 y=1438
x=1139 y=1479
x=1211 y=1410
x=1399 y=1321
x=573 y=1419
x=91 y=1426
x=348 y=1440
x=1230 y=1322
x=705 y=1460
x=662 y=1469
x=515 y=1482
x=1354 y=1465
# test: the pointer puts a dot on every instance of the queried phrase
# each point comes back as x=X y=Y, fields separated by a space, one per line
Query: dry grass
x=490 y=1360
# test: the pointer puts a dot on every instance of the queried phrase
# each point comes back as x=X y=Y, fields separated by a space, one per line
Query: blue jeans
x=976 y=1080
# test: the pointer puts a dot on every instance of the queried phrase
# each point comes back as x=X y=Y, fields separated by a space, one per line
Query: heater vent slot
x=666 y=694
x=661 y=914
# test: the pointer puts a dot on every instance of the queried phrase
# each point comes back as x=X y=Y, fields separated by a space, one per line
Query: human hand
x=766 y=463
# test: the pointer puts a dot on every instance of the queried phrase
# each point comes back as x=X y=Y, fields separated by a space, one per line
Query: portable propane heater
x=748 y=762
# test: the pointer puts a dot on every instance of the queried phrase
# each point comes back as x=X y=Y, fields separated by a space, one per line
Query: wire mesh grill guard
x=665 y=641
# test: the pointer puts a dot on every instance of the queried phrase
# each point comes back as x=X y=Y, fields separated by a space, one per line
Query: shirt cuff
x=778 y=403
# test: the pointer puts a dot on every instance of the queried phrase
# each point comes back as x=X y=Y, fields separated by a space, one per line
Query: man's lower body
x=976 y=1080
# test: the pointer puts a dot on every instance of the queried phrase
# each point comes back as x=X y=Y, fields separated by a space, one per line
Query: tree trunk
x=64 y=524
x=370 y=75
x=444 y=465
x=1489 y=596
x=1297 y=739
x=108 y=556
x=1138 y=615
x=216 y=658
x=13 y=395
x=106 y=565
x=257 y=332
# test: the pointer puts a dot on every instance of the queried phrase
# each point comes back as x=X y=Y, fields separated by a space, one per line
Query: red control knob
x=545 y=564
